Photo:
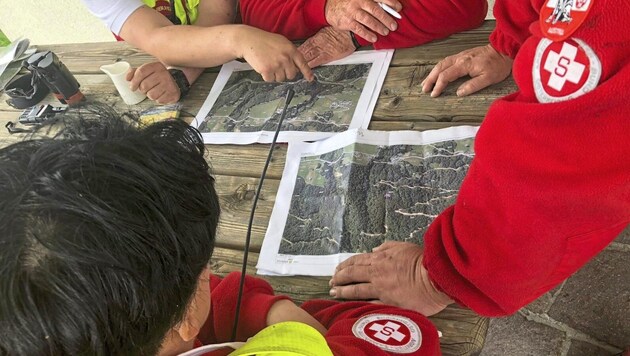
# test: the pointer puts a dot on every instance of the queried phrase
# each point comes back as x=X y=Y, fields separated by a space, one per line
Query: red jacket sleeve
x=295 y=19
x=549 y=186
x=422 y=21
x=513 y=18
x=550 y=183
x=257 y=299
x=352 y=329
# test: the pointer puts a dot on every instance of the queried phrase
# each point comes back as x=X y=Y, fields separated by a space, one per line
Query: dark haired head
x=104 y=231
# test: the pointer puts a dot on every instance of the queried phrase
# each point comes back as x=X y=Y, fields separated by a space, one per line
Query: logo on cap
x=392 y=333
x=564 y=70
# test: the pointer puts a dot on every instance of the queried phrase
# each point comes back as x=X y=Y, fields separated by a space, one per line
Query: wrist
x=237 y=38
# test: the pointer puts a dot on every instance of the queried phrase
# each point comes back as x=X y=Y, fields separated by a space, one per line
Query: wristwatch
x=182 y=82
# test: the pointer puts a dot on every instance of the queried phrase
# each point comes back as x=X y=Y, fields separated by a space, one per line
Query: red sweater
x=422 y=21
x=550 y=183
x=342 y=320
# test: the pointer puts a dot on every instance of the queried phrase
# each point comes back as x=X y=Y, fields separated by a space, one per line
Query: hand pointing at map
x=392 y=274
x=272 y=55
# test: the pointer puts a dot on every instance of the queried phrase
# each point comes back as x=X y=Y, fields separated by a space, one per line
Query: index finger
x=362 y=259
x=140 y=74
x=382 y=16
x=447 y=76
x=130 y=74
x=351 y=275
x=430 y=80
x=302 y=65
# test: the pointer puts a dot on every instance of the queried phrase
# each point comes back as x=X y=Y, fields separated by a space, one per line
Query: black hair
x=104 y=231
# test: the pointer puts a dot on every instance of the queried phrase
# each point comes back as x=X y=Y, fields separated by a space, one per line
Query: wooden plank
x=237 y=196
x=463 y=330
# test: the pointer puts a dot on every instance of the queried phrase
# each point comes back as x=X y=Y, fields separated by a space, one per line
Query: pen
x=389 y=10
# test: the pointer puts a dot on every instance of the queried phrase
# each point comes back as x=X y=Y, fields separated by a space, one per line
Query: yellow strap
x=192 y=7
x=287 y=338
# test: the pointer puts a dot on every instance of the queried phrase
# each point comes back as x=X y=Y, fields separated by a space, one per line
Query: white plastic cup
x=117 y=72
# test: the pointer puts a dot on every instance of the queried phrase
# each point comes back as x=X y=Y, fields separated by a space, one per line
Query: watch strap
x=182 y=82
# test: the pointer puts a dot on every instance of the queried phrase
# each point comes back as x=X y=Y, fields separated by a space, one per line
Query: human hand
x=326 y=46
x=155 y=81
x=272 y=55
x=286 y=310
x=392 y=274
x=363 y=17
x=484 y=64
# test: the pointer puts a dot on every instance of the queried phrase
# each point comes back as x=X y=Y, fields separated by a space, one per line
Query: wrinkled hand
x=484 y=64
x=363 y=17
x=326 y=46
x=155 y=81
x=392 y=274
x=272 y=55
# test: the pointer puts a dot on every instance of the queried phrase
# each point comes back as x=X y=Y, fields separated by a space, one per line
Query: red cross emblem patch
x=393 y=333
x=564 y=70
x=560 y=18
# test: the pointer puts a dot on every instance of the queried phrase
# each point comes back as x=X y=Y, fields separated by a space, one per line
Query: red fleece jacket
x=338 y=318
x=550 y=183
x=422 y=21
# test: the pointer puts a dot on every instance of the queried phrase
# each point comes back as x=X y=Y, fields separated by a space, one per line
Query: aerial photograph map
x=352 y=199
x=249 y=104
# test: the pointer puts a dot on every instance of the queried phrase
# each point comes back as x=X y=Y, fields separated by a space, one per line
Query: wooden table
x=401 y=106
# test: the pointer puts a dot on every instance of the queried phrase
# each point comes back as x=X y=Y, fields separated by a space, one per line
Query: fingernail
x=330 y=283
x=433 y=94
x=393 y=27
x=333 y=293
x=461 y=92
x=386 y=32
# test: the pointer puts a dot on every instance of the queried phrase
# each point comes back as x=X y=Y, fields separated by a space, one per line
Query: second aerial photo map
x=353 y=199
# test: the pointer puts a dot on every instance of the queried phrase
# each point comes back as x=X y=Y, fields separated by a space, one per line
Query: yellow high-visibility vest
x=185 y=10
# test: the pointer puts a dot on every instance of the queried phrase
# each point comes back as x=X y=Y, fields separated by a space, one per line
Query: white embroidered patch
x=393 y=333
x=564 y=70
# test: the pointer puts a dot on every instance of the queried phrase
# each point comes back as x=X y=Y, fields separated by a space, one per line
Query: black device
x=39 y=114
x=47 y=67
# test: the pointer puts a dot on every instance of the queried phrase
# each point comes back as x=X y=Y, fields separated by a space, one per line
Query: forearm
x=211 y=13
x=203 y=46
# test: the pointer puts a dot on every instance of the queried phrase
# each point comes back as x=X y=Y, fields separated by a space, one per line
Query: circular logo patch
x=393 y=333
x=564 y=70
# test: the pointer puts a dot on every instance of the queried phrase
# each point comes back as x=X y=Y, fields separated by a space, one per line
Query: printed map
x=249 y=104
x=353 y=199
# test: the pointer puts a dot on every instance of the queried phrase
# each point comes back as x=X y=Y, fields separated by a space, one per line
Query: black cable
x=248 y=237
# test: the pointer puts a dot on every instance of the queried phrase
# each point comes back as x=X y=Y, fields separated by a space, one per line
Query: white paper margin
x=270 y=262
